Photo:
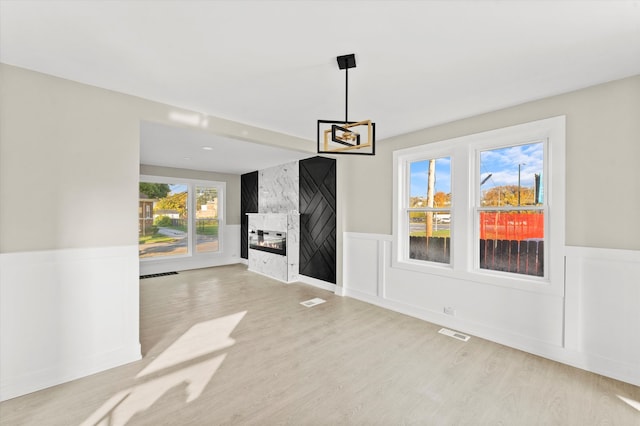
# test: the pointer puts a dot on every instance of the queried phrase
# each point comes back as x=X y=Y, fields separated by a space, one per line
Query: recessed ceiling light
x=186 y=158
x=207 y=148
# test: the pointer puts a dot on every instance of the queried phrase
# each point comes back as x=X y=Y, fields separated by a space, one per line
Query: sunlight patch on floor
x=630 y=402
x=121 y=408
x=200 y=340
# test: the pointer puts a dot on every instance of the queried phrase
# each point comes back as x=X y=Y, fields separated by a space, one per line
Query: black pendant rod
x=346 y=96
x=344 y=63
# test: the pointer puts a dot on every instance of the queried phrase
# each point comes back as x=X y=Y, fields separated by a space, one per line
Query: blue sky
x=177 y=188
x=419 y=173
x=501 y=163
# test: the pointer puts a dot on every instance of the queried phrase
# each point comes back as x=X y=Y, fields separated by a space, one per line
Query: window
x=480 y=207
x=206 y=219
x=511 y=209
x=427 y=208
x=182 y=217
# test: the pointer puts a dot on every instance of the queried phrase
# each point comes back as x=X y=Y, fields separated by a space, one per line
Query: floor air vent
x=454 y=334
x=158 y=275
x=312 y=302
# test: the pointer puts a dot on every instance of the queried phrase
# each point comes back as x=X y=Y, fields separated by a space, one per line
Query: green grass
x=208 y=229
x=201 y=228
x=155 y=238
x=182 y=228
x=441 y=233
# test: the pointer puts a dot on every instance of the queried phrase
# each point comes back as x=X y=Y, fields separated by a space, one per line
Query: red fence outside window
x=511 y=225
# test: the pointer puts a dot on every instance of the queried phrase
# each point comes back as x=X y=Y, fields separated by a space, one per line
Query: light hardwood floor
x=341 y=362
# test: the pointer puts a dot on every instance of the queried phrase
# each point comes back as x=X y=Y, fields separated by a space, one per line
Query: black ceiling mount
x=347 y=61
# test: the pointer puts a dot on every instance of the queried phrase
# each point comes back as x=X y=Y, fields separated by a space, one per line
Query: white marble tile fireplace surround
x=284 y=268
x=278 y=203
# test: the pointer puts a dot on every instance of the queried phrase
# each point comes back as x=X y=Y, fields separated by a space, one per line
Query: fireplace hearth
x=269 y=241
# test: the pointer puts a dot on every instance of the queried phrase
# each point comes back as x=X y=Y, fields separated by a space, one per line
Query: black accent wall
x=248 y=204
x=318 y=218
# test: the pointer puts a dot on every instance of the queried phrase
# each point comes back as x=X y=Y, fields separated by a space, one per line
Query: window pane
x=429 y=236
x=512 y=176
x=206 y=219
x=163 y=223
x=430 y=183
x=512 y=241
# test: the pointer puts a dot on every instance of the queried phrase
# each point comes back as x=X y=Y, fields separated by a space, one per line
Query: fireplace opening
x=269 y=241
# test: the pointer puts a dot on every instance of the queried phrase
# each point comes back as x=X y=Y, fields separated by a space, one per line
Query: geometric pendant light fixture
x=344 y=136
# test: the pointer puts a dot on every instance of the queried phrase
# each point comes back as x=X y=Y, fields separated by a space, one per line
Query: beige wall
x=69 y=161
x=65 y=145
x=67 y=158
x=232 y=207
x=602 y=169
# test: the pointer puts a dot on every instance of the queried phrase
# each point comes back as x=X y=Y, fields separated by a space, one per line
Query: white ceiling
x=271 y=64
x=185 y=148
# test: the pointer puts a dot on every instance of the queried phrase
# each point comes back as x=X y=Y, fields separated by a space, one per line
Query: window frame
x=191 y=184
x=406 y=210
x=195 y=213
x=465 y=188
x=477 y=207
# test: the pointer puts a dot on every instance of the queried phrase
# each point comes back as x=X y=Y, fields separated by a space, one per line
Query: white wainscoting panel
x=65 y=314
x=360 y=250
x=596 y=326
x=603 y=310
x=519 y=318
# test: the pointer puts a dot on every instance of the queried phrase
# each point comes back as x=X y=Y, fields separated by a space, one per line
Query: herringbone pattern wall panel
x=318 y=218
x=248 y=204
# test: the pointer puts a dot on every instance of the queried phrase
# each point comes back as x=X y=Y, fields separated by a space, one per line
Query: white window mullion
x=191 y=218
x=461 y=231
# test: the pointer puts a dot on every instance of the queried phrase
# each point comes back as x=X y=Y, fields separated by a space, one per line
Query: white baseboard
x=317 y=283
x=31 y=382
x=267 y=275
